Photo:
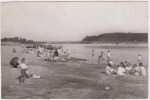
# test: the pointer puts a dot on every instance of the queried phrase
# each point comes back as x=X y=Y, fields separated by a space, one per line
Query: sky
x=71 y=21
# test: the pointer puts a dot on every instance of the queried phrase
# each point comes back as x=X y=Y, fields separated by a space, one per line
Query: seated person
x=110 y=70
x=121 y=69
x=128 y=68
x=14 y=62
x=136 y=70
x=142 y=69
x=111 y=62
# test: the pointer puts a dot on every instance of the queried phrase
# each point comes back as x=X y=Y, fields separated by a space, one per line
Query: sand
x=68 y=80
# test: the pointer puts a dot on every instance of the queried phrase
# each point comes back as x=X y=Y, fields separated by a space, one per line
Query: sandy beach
x=68 y=80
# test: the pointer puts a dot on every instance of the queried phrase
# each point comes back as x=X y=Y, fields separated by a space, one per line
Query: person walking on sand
x=14 y=51
x=23 y=70
x=93 y=54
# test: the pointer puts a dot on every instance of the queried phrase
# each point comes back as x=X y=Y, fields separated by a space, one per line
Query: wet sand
x=68 y=80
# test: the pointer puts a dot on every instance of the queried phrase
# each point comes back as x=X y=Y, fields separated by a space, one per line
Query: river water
x=121 y=52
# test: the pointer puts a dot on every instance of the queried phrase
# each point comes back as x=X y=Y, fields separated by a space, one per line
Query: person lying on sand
x=23 y=68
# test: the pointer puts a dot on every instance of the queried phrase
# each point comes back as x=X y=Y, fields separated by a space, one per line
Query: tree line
x=118 y=37
x=17 y=39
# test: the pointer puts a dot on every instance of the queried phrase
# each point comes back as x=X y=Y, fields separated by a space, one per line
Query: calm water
x=118 y=52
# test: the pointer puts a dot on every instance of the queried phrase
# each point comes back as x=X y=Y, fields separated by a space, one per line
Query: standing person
x=14 y=51
x=62 y=50
x=51 y=54
x=56 y=55
x=67 y=53
x=100 y=57
x=23 y=68
x=93 y=54
x=48 y=55
x=139 y=58
x=108 y=54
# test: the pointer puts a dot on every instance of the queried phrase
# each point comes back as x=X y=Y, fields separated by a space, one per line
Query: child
x=23 y=67
x=142 y=70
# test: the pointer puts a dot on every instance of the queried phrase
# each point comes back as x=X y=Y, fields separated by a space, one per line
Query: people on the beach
x=67 y=53
x=110 y=70
x=108 y=54
x=110 y=61
x=100 y=58
x=139 y=58
x=142 y=69
x=14 y=51
x=129 y=69
x=136 y=70
x=14 y=62
x=48 y=55
x=93 y=54
x=23 y=68
x=56 y=55
x=121 y=69
x=51 y=54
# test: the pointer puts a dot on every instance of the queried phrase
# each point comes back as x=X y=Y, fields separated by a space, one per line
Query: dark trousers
x=23 y=75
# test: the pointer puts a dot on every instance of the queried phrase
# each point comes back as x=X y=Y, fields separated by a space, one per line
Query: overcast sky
x=71 y=21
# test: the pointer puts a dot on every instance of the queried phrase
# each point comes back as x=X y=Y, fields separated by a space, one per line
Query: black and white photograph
x=94 y=49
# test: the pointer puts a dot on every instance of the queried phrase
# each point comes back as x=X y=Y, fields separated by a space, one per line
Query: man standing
x=100 y=58
x=93 y=54
x=14 y=51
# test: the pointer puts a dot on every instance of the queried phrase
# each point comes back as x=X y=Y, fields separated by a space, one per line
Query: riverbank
x=68 y=80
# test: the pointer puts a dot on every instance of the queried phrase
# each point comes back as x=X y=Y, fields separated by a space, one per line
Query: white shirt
x=111 y=62
x=139 y=58
x=121 y=71
x=143 y=72
x=109 y=70
x=108 y=55
x=23 y=66
x=128 y=68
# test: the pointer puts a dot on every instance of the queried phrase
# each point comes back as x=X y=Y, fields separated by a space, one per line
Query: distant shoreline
x=107 y=44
